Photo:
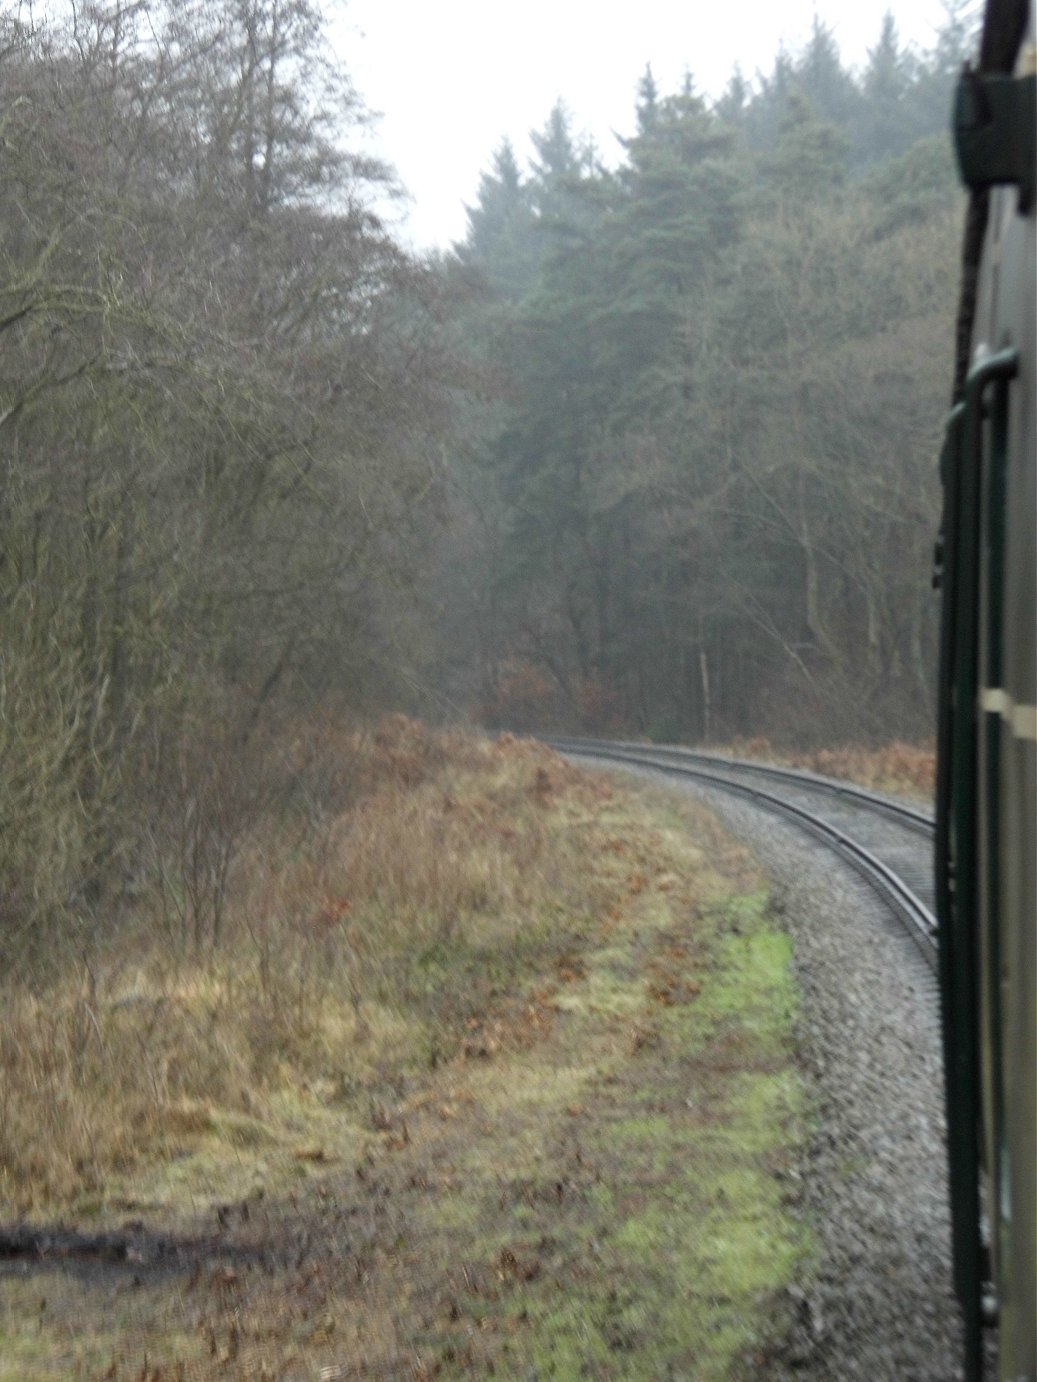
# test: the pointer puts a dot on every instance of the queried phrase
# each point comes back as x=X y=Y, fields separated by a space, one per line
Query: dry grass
x=902 y=769
x=585 y=1176
x=343 y=959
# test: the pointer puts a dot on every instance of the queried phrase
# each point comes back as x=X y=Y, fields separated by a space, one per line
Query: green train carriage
x=986 y=862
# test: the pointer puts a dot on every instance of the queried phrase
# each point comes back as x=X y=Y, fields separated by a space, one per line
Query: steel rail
x=909 y=816
x=919 y=920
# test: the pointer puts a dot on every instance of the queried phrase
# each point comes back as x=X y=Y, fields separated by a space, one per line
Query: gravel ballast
x=877 y=1303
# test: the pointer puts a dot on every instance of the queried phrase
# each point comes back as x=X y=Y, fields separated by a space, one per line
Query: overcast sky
x=451 y=78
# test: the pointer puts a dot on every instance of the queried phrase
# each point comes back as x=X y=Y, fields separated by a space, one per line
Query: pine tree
x=557 y=173
x=810 y=157
x=647 y=109
x=679 y=207
x=769 y=107
x=733 y=105
x=824 y=81
x=500 y=243
x=886 y=127
x=956 y=41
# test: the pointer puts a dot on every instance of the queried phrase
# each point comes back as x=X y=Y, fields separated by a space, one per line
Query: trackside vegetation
x=332 y=1043
x=522 y=1095
x=706 y=489
x=649 y=451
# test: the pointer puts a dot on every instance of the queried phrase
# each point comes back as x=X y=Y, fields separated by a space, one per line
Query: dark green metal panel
x=994 y=132
x=957 y=876
x=992 y=674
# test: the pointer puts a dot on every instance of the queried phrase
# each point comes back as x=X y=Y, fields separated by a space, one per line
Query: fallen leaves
x=896 y=767
x=571 y=969
x=512 y=1267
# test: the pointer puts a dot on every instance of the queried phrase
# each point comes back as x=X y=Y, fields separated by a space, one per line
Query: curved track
x=887 y=842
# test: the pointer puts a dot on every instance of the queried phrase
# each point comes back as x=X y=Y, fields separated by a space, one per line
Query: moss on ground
x=582 y=1177
x=647 y=1241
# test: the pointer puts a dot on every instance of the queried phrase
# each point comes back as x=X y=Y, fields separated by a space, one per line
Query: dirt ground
x=593 y=1181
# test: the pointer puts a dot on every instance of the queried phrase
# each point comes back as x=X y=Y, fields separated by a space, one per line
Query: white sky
x=451 y=78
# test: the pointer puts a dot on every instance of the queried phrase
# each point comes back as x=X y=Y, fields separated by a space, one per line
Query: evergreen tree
x=647 y=109
x=557 y=173
x=956 y=42
x=824 y=81
x=500 y=243
x=767 y=110
x=810 y=158
x=733 y=105
x=886 y=127
x=719 y=389
x=679 y=206
x=556 y=155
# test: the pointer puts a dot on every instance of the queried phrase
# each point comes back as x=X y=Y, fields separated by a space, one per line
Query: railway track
x=887 y=842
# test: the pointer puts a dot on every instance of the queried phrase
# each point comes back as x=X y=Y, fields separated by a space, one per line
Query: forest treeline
x=702 y=496
x=223 y=402
x=651 y=450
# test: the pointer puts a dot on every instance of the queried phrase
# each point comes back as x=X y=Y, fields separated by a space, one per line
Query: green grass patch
x=534 y=1120
x=650 y=1235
